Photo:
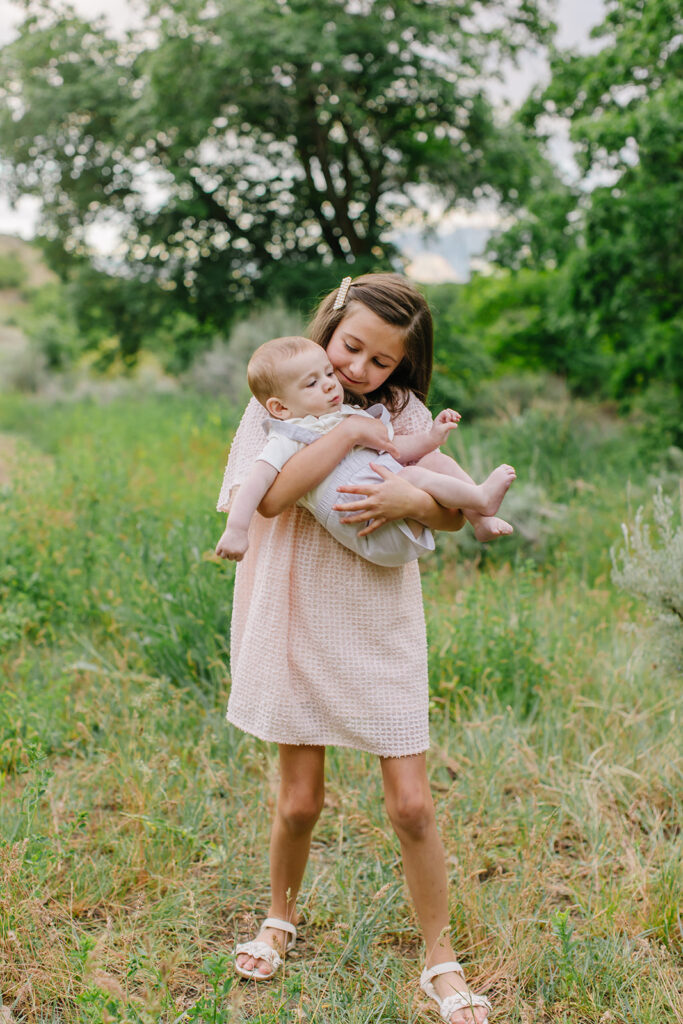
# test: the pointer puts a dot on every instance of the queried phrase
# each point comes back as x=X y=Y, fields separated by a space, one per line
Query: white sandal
x=262 y=951
x=458 y=1000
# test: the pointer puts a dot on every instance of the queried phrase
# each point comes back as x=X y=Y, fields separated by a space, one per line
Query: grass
x=135 y=822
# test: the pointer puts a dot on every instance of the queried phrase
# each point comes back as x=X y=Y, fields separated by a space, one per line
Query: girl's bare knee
x=411 y=813
x=299 y=808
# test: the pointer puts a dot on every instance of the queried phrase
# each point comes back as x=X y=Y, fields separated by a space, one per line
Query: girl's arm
x=315 y=461
x=235 y=538
x=395 y=498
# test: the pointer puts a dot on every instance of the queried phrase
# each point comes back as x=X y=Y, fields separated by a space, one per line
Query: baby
x=296 y=383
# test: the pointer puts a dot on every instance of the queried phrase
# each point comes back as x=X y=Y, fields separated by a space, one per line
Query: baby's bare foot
x=489 y=528
x=495 y=488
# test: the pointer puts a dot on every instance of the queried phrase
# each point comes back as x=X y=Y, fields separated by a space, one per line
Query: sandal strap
x=430 y=973
x=456 y=1000
x=260 y=951
x=462 y=1001
x=280 y=925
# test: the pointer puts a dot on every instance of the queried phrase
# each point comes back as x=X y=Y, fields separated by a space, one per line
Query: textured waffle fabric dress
x=326 y=648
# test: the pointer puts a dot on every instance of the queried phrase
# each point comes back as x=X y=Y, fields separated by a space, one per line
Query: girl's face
x=365 y=350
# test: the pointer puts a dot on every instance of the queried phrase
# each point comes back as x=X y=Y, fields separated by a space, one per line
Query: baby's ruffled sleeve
x=414 y=418
x=247 y=444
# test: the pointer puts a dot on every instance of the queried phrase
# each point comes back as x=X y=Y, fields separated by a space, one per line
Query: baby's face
x=311 y=387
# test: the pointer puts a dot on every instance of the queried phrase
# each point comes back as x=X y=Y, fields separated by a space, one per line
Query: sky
x=575 y=19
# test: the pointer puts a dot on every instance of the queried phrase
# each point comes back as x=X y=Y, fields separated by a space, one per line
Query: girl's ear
x=277 y=409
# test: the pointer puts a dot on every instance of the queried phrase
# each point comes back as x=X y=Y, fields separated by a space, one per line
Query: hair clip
x=341 y=293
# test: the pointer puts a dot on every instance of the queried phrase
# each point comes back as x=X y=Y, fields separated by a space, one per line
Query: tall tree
x=616 y=303
x=229 y=135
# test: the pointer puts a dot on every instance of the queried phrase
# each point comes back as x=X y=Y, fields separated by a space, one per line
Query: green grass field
x=135 y=822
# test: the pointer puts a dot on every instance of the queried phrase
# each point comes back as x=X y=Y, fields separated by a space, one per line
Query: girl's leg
x=411 y=810
x=300 y=801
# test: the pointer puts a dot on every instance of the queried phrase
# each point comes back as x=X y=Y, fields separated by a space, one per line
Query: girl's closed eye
x=378 y=363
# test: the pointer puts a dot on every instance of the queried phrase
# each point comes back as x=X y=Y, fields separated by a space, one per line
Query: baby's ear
x=277 y=409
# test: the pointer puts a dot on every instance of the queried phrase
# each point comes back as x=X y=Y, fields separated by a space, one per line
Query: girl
x=328 y=648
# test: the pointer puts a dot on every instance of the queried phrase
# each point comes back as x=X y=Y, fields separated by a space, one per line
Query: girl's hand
x=393 y=498
x=446 y=421
x=370 y=433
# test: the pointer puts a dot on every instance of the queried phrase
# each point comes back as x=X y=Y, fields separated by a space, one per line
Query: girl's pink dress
x=326 y=648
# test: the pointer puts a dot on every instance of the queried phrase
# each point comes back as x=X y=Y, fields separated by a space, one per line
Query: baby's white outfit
x=392 y=544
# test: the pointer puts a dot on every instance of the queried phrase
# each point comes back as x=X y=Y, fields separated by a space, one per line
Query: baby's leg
x=485 y=527
x=453 y=493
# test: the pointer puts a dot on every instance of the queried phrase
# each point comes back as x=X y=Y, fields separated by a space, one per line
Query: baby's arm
x=235 y=540
x=413 y=447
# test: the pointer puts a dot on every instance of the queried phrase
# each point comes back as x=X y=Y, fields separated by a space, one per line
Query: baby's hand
x=446 y=421
x=233 y=544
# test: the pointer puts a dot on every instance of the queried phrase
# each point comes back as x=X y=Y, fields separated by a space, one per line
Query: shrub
x=22 y=366
x=12 y=271
x=222 y=370
x=653 y=569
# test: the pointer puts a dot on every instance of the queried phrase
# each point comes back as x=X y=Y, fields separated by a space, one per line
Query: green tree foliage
x=489 y=325
x=228 y=141
x=616 y=305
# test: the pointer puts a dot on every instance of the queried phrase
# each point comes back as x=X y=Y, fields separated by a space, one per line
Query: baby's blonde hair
x=265 y=372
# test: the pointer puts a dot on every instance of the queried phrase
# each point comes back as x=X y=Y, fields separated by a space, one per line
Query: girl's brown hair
x=398 y=302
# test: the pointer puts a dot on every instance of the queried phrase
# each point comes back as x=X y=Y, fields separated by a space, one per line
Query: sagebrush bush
x=652 y=568
x=23 y=368
x=222 y=369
